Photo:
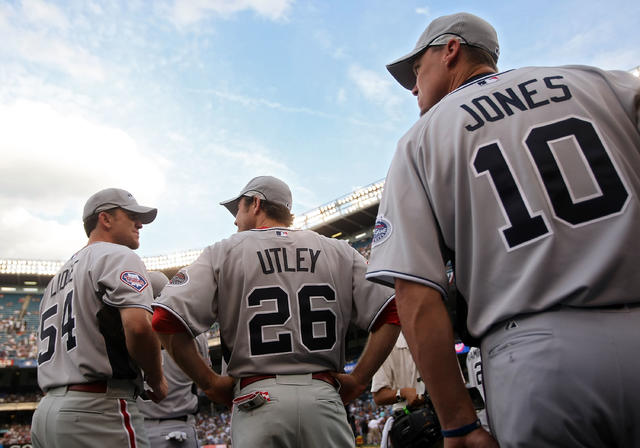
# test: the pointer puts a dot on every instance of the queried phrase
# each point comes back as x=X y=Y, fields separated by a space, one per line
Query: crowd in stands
x=214 y=428
x=32 y=397
x=15 y=434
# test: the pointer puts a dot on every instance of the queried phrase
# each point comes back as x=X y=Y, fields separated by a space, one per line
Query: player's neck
x=264 y=222
x=468 y=73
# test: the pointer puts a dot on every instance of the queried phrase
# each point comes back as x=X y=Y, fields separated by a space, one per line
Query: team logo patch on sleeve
x=135 y=280
x=381 y=231
x=181 y=278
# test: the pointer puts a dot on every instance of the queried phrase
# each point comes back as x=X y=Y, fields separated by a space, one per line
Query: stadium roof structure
x=349 y=214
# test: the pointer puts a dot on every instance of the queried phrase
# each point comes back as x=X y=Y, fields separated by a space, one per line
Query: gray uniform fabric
x=73 y=419
x=530 y=180
x=302 y=412
x=81 y=340
x=284 y=299
x=176 y=411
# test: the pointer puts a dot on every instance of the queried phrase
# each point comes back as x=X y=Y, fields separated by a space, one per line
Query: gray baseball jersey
x=181 y=399
x=284 y=299
x=512 y=173
x=81 y=337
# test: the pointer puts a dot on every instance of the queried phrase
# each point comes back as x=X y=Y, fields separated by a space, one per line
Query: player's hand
x=475 y=439
x=221 y=389
x=159 y=388
x=350 y=386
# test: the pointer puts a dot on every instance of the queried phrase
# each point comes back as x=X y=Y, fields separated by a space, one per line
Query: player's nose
x=414 y=91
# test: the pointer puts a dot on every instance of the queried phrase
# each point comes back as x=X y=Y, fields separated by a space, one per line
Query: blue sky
x=182 y=102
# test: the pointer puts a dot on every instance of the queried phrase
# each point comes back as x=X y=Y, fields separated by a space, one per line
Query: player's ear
x=105 y=219
x=256 y=205
x=451 y=51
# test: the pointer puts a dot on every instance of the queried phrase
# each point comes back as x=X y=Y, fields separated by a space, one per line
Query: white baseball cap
x=470 y=29
x=111 y=198
x=267 y=188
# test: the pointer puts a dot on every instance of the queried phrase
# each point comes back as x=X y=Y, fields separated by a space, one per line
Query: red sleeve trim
x=165 y=322
x=388 y=316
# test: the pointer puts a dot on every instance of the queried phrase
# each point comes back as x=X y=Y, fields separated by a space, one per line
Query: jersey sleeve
x=370 y=299
x=120 y=278
x=191 y=295
x=406 y=239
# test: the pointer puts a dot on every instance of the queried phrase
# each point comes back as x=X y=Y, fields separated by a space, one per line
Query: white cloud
x=187 y=12
x=42 y=13
x=53 y=161
x=26 y=236
x=51 y=52
x=423 y=11
x=374 y=87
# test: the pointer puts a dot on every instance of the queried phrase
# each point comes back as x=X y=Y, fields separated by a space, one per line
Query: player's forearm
x=375 y=352
x=142 y=344
x=384 y=396
x=184 y=352
x=428 y=331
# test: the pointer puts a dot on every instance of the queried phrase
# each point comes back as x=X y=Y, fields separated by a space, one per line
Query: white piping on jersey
x=375 y=318
x=184 y=322
x=376 y=276
x=469 y=84
x=146 y=308
x=274 y=228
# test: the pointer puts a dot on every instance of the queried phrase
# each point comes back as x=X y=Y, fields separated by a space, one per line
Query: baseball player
x=172 y=422
x=95 y=334
x=284 y=299
x=528 y=179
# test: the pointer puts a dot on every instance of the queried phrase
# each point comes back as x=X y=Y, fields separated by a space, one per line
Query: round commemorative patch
x=135 y=280
x=181 y=278
x=381 y=231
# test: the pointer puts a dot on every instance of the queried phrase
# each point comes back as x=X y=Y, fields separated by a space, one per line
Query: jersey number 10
x=525 y=227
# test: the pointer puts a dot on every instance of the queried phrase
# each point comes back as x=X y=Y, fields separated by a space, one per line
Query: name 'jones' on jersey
x=527 y=95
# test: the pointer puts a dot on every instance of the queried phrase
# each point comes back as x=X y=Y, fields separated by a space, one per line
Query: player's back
x=537 y=186
x=284 y=299
x=297 y=293
x=80 y=337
